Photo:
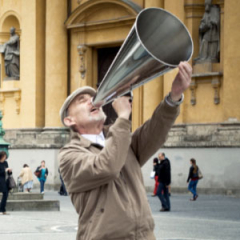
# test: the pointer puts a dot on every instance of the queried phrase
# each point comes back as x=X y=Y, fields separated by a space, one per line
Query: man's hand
x=182 y=81
x=122 y=107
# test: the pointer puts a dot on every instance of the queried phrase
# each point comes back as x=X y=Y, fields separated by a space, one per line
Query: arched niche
x=100 y=12
x=8 y=20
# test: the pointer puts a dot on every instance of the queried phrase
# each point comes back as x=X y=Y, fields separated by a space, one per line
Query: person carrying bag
x=194 y=175
x=4 y=187
x=11 y=183
x=42 y=173
x=37 y=173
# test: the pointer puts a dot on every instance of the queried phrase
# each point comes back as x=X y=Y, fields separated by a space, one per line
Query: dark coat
x=3 y=183
x=192 y=175
x=164 y=172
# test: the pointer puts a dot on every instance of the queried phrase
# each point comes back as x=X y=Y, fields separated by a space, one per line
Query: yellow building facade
x=58 y=53
x=59 y=47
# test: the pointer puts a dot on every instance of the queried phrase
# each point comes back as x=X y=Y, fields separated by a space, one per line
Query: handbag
x=152 y=174
x=11 y=183
x=200 y=176
x=37 y=174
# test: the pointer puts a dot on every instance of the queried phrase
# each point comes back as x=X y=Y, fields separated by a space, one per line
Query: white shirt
x=99 y=139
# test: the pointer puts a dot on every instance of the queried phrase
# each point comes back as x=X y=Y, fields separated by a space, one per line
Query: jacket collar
x=85 y=142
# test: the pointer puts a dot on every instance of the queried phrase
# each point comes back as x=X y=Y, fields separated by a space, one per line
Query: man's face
x=83 y=114
x=161 y=157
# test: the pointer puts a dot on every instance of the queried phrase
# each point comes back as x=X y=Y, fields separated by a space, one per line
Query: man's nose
x=90 y=100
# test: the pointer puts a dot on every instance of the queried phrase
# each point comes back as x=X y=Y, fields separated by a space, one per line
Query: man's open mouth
x=94 y=109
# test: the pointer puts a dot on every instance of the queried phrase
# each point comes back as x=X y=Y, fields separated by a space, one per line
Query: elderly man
x=102 y=167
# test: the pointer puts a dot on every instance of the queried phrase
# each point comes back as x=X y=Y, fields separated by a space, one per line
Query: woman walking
x=43 y=175
x=155 y=169
x=4 y=170
x=27 y=178
x=193 y=177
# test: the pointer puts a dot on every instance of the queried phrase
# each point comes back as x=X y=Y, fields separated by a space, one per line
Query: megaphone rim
x=143 y=45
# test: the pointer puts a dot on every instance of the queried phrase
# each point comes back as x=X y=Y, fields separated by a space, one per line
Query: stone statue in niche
x=10 y=49
x=209 y=34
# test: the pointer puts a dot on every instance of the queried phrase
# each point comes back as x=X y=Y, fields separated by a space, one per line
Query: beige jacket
x=106 y=184
x=26 y=175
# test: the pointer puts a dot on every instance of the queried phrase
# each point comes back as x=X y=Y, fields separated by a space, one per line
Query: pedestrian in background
x=63 y=190
x=193 y=177
x=155 y=169
x=43 y=175
x=27 y=178
x=4 y=170
x=164 y=179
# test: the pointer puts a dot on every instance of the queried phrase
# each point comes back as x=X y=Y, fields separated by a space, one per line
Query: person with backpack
x=193 y=177
x=42 y=177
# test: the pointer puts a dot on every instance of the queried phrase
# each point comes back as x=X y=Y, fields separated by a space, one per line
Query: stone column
x=40 y=63
x=176 y=8
x=56 y=61
x=152 y=92
x=231 y=73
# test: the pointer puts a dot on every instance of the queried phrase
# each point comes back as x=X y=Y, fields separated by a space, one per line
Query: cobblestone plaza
x=212 y=217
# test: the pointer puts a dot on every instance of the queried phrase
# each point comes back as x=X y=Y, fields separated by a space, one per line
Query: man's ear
x=68 y=121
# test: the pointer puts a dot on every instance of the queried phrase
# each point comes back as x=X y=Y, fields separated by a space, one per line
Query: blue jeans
x=192 y=187
x=4 y=201
x=42 y=182
x=163 y=194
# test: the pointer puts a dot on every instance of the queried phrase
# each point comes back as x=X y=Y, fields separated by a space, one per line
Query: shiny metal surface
x=156 y=44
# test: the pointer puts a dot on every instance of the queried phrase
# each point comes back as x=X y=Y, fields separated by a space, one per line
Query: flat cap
x=70 y=98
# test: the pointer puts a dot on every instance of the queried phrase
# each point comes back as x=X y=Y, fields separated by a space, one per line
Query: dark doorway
x=105 y=58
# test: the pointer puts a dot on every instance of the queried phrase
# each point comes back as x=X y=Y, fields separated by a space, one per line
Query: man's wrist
x=172 y=103
x=124 y=116
x=175 y=97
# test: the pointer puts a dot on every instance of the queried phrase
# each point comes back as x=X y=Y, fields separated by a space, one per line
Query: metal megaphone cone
x=156 y=44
